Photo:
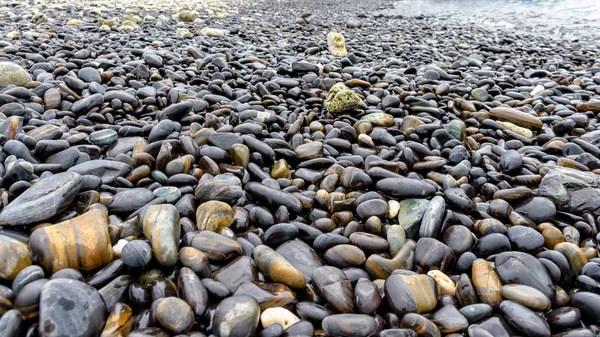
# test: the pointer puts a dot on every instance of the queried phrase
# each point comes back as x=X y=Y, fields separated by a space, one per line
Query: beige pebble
x=393 y=209
x=444 y=283
x=278 y=315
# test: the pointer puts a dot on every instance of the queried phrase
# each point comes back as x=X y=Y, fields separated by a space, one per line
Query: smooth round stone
x=71 y=308
x=175 y=315
x=280 y=316
x=410 y=293
x=538 y=209
x=524 y=319
x=565 y=317
x=277 y=268
x=349 y=325
x=170 y=193
x=458 y=238
x=12 y=73
x=521 y=268
x=476 y=312
x=344 y=256
x=374 y=207
x=511 y=161
x=280 y=233
x=15 y=257
x=236 y=316
x=68 y=245
x=525 y=239
x=526 y=295
x=588 y=303
x=214 y=216
x=43 y=200
x=160 y=224
x=103 y=137
x=136 y=253
x=89 y=74
x=130 y=200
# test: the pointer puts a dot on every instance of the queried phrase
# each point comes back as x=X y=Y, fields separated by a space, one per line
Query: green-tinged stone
x=161 y=227
x=340 y=98
x=410 y=215
x=11 y=73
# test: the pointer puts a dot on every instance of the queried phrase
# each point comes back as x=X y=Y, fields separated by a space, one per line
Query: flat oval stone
x=71 y=308
x=344 y=256
x=525 y=239
x=349 y=325
x=42 y=200
x=273 y=198
x=103 y=137
x=107 y=170
x=81 y=243
x=526 y=295
x=374 y=207
x=402 y=187
x=236 y=316
x=565 y=317
x=432 y=254
x=524 y=319
x=538 y=209
x=410 y=293
x=516 y=117
x=129 y=200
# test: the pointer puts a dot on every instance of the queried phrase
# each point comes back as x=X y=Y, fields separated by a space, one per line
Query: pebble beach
x=298 y=168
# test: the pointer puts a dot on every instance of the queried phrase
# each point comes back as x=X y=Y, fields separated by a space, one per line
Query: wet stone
x=71 y=308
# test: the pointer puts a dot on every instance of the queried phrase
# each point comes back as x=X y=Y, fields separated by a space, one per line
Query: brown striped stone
x=81 y=243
